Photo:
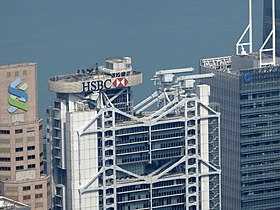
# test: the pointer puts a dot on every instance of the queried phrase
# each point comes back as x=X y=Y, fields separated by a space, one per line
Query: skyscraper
x=108 y=154
x=21 y=146
x=249 y=98
x=247 y=87
x=267 y=22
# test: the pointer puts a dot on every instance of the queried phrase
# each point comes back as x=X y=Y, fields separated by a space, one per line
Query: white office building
x=106 y=153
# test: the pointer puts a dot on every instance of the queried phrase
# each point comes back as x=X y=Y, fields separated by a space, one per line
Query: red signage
x=120 y=82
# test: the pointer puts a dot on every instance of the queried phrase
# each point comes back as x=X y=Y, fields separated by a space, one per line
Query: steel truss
x=175 y=103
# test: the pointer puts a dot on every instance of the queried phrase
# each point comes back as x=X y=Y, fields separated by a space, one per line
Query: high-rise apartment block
x=21 y=145
x=108 y=154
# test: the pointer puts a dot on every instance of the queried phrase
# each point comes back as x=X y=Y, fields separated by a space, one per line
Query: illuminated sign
x=96 y=85
x=18 y=98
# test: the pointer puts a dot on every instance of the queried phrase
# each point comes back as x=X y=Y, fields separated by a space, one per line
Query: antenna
x=240 y=45
x=271 y=36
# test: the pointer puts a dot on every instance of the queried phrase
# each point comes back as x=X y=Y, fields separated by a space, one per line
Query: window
x=40 y=127
x=19 y=158
x=5 y=159
x=5 y=168
x=18 y=168
x=39 y=186
x=30 y=157
x=31 y=166
x=30 y=147
x=39 y=195
x=25 y=188
x=4 y=131
x=19 y=149
x=27 y=197
x=17 y=131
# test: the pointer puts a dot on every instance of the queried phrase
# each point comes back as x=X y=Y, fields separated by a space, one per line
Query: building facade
x=109 y=154
x=267 y=22
x=249 y=97
x=21 y=151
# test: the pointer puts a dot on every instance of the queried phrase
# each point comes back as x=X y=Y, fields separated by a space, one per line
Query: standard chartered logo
x=18 y=97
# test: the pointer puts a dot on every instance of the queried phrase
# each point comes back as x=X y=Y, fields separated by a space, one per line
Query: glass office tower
x=108 y=154
x=249 y=98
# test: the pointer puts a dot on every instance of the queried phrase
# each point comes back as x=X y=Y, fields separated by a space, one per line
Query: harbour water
x=66 y=35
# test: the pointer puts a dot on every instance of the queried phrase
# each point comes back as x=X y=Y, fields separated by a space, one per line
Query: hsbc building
x=108 y=153
x=79 y=99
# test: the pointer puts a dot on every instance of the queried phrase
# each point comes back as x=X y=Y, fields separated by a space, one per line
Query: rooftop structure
x=267 y=23
x=116 y=73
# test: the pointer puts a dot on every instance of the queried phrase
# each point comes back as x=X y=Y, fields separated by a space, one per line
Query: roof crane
x=188 y=81
x=166 y=76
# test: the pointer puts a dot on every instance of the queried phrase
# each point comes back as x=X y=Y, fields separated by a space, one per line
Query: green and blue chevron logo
x=18 y=98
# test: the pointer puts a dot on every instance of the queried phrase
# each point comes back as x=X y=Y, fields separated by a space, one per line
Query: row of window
x=133 y=149
x=18 y=131
x=259 y=116
x=28 y=197
x=257 y=192
x=26 y=188
x=30 y=166
x=17 y=73
x=259 y=95
x=260 y=134
x=20 y=149
x=169 y=135
x=4 y=131
x=260 y=124
x=5 y=168
x=29 y=157
x=261 y=145
x=168 y=125
x=260 y=155
x=259 y=105
x=7 y=159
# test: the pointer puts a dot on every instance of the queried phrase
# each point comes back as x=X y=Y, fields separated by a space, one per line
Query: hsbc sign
x=120 y=82
x=96 y=85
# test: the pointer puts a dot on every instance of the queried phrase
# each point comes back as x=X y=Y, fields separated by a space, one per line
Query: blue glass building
x=249 y=96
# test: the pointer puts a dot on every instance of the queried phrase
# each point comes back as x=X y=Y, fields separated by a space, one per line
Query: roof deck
x=116 y=73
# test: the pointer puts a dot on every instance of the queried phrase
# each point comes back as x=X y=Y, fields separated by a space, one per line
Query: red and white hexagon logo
x=120 y=82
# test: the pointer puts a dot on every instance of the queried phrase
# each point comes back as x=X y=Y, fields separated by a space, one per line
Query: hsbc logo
x=120 y=82
x=96 y=85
